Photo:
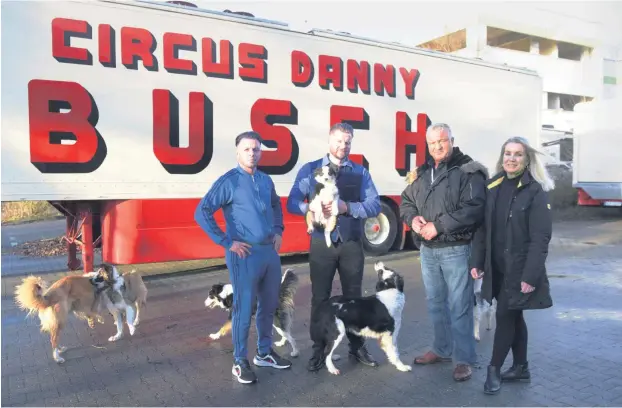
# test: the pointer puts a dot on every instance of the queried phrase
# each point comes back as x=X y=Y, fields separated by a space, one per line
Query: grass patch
x=16 y=212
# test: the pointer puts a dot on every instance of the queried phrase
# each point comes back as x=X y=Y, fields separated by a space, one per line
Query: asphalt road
x=16 y=234
x=574 y=348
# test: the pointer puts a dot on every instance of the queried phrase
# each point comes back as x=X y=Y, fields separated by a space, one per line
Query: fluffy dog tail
x=29 y=295
x=289 y=286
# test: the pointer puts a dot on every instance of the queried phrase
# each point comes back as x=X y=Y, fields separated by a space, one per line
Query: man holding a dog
x=358 y=200
x=444 y=205
x=254 y=226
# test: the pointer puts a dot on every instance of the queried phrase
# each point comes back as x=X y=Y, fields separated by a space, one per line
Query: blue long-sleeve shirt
x=251 y=207
x=368 y=206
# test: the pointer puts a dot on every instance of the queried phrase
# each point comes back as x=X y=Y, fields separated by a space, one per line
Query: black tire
x=411 y=240
x=382 y=239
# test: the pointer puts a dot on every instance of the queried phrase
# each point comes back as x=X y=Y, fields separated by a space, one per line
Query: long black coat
x=528 y=229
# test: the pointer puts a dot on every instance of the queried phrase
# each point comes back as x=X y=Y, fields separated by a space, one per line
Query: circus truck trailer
x=597 y=143
x=122 y=114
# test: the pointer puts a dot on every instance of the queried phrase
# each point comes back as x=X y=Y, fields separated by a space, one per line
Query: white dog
x=325 y=192
x=482 y=309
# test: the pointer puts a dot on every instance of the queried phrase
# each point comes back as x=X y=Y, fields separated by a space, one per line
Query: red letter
x=302 y=69
x=358 y=76
x=253 y=65
x=331 y=69
x=407 y=142
x=410 y=81
x=138 y=43
x=49 y=127
x=223 y=68
x=174 y=42
x=107 y=56
x=357 y=118
x=62 y=31
x=384 y=79
x=264 y=114
x=182 y=160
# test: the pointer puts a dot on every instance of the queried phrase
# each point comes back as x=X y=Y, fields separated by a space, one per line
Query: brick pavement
x=574 y=350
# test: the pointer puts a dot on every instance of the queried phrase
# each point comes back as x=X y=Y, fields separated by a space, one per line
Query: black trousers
x=347 y=258
x=511 y=330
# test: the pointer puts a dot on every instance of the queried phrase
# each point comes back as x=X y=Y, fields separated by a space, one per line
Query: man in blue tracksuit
x=254 y=226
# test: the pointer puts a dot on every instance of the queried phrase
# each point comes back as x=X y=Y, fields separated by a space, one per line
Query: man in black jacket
x=444 y=205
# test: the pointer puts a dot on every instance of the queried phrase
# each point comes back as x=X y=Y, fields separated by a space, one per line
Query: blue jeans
x=257 y=276
x=449 y=297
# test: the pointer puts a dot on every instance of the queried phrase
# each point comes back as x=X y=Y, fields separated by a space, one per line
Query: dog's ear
x=318 y=172
x=333 y=170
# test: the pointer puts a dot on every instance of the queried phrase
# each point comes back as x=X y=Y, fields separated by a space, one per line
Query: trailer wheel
x=380 y=231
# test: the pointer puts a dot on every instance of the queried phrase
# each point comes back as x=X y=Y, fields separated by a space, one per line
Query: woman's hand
x=526 y=288
x=477 y=273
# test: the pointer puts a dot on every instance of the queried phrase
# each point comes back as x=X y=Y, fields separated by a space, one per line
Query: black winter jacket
x=454 y=201
x=528 y=233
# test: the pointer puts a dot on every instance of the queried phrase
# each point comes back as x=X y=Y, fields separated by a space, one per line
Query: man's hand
x=526 y=288
x=327 y=208
x=418 y=223
x=429 y=232
x=277 y=242
x=241 y=249
x=477 y=273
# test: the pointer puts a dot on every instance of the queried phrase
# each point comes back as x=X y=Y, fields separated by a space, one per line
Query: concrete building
x=575 y=47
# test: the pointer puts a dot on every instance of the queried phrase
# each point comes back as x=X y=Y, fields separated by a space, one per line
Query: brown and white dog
x=79 y=294
x=123 y=295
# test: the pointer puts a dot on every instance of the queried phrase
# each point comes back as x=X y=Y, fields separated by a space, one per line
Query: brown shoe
x=462 y=372
x=430 y=358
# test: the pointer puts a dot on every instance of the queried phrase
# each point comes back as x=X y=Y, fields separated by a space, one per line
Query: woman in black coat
x=509 y=253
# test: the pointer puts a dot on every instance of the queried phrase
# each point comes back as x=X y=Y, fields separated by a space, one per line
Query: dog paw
x=477 y=338
x=295 y=353
x=116 y=337
x=214 y=336
x=404 y=367
x=100 y=320
x=280 y=343
x=61 y=349
x=59 y=360
x=131 y=329
x=334 y=370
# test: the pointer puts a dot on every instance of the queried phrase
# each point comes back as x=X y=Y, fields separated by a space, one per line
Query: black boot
x=317 y=360
x=362 y=356
x=493 y=380
x=518 y=372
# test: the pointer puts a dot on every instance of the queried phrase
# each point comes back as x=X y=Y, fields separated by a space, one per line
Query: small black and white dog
x=325 y=192
x=221 y=295
x=377 y=317
x=482 y=309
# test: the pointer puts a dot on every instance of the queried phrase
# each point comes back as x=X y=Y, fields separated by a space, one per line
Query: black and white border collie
x=325 y=191
x=378 y=317
x=221 y=295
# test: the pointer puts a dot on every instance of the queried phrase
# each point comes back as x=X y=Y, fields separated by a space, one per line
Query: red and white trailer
x=123 y=113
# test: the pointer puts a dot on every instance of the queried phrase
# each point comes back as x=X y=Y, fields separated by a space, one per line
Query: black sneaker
x=271 y=359
x=242 y=371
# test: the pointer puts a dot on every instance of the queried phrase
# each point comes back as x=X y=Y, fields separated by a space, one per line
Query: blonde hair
x=534 y=164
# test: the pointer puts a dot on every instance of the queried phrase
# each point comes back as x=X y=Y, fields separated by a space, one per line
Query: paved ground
x=575 y=350
x=13 y=235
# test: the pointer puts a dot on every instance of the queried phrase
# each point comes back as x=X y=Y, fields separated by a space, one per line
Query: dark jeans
x=347 y=258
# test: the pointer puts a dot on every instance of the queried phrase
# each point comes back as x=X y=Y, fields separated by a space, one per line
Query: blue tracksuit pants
x=257 y=275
